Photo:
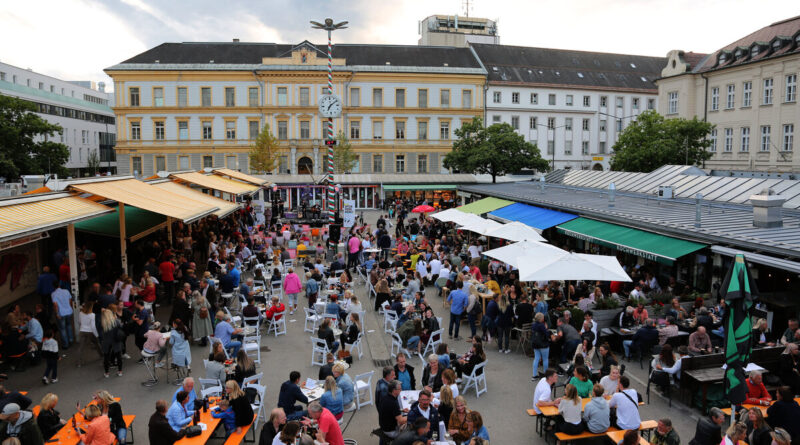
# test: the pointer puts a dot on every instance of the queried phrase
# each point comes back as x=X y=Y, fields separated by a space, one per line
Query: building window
x=728 y=140
x=422 y=164
x=713 y=139
x=715 y=99
x=136 y=165
x=205 y=96
x=585 y=125
x=84 y=136
x=791 y=88
x=305 y=130
x=304 y=97
x=601 y=148
x=551 y=99
x=568 y=147
x=400 y=163
x=768 y=84
x=444 y=98
x=620 y=102
x=355 y=97
x=515 y=122
x=400 y=130
x=534 y=98
x=444 y=130
x=603 y=101
x=569 y=100
x=422 y=130
x=551 y=123
x=466 y=98
x=253 y=128
x=730 y=97
x=673 y=102
x=495 y=119
x=619 y=125
x=551 y=147
x=377 y=163
x=377 y=97
x=568 y=124
x=422 y=98
x=283 y=164
x=207 y=133
x=159 y=131
x=183 y=163
x=651 y=104
x=532 y=122
x=355 y=129
x=585 y=147
x=230 y=97
x=496 y=97
x=230 y=130
x=208 y=162
x=747 y=93
x=788 y=137
x=183 y=130
x=182 y=97
x=230 y=162
x=515 y=97
x=745 y=131
x=161 y=164
x=252 y=97
x=603 y=125
x=400 y=98
x=766 y=131
x=377 y=129
x=283 y=130
x=283 y=96
x=134 y=99
x=41 y=85
x=587 y=101
x=3 y=77
x=635 y=103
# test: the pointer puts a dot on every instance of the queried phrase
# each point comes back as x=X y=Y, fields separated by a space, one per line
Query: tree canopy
x=651 y=141
x=496 y=150
x=25 y=148
x=343 y=157
x=264 y=152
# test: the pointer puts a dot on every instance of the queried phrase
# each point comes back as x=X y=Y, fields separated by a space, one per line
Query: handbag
x=203 y=313
x=194 y=430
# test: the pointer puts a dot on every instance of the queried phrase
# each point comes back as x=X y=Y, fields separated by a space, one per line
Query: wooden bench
x=645 y=426
x=237 y=438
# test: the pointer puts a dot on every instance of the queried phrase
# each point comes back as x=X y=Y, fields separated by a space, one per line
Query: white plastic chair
x=211 y=341
x=363 y=389
x=276 y=289
x=384 y=307
x=258 y=406
x=356 y=345
x=235 y=320
x=372 y=293
x=433 y=342
x=313 y=318
x=476 y=381
x=286 y=265
x=278 y=325
x=253 y=379
x=319 y=351
x=389 y=321
x=252 y=347
x=398 y=346
x=210 y=387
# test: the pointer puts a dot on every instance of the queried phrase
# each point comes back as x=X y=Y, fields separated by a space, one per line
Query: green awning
x=484 y=205
x=648 y=245
x=403 y=187
x=138 y=223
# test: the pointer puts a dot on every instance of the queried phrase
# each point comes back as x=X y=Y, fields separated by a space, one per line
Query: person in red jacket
x=756 y=391
x=276 y=308
x=167 y=270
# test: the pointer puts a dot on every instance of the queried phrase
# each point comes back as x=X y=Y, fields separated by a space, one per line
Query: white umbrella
x=511 y=254
x=572 y=266
x=481 y=226
x=516 y=231
x=449 y=215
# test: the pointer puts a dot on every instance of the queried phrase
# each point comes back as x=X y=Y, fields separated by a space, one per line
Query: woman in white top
x=449 y=379
x=610 y=383
x=570 y=409
x=354 y=305
x=735 y=433
x=288 y=435
x=87 y=333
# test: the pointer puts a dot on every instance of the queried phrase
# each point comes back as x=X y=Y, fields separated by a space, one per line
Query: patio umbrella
x=424 y=208
x=512 y=253
x=740 y=291
x=571 y=266
x=481 y=225
x=449 y=215
x=516 y=231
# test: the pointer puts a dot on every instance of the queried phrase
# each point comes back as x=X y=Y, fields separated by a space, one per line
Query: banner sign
x=348 y=212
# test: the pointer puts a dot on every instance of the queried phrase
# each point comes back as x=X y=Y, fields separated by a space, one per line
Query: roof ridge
x=566 y=49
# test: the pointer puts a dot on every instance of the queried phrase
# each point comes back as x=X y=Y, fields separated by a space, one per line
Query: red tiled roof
x=693 y=58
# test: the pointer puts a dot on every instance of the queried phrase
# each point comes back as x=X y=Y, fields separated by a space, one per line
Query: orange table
x=550 y=411
x=617 y=436
x=211 y=426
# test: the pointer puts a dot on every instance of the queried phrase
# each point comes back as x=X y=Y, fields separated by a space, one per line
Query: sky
x=77 y=39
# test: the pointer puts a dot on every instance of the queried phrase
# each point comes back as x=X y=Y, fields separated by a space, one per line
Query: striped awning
x=225 y=207
x=216 y=182
x=37 y=213
x=145 y=196
x=241 y=176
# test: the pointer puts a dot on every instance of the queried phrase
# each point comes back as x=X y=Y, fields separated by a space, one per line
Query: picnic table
x=617 y=436
x=67 y=434
x=550 y=411
x=211 y=425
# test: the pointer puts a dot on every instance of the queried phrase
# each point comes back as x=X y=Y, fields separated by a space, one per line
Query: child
x=50 y=354
x=225 y=412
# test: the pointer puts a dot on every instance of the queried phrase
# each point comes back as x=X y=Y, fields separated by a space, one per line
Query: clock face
x=330 y=106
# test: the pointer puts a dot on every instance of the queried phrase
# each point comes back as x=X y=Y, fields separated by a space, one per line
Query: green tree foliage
x=651 y=141
x=93 y=162
x=264 y=152
x=343 y=157
x=497 y=150
x=25 y=148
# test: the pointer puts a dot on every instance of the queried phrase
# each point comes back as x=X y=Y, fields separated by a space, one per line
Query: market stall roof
x=484 y=205
x=225 y=207
x=536 y=217
x=241 y=176
x=138 y=223
x=216 y=182
x=26 y=215
x=145 y=196
x=652 y=246
x=403 y=187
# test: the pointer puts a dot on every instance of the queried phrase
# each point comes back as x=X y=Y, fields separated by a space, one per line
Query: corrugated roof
x=32 y=214
x=225 y=207
x=240 y=176
x=377 y=179
x=216 y=182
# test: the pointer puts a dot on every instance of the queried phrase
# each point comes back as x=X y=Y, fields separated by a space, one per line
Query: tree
x=343 y=157
x=25 y=148
x=93 y=162
x=264 y=153
x=651 y=141
x=497 y=150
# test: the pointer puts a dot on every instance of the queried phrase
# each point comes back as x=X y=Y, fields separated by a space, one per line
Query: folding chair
x=278 y=324
x=363 y=389
x=311 y=317
x=477 y=380
x=149 y=361
x=398 y=346
x=356 y=345
x=252 y=347
x=433 y=342
x=210 y=387
x=389 y=321
x=319 y=351
x=256 y=379
x=258 y=406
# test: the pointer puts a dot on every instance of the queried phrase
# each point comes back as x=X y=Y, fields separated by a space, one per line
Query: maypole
x=329 y=176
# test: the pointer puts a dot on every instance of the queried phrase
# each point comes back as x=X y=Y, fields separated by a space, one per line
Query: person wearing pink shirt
x=353 y=246
x=292 y=287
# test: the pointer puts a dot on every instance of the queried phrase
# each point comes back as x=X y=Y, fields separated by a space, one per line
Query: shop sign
x=348 y=212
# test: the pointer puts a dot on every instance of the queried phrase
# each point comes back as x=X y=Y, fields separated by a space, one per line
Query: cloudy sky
x=76 y=39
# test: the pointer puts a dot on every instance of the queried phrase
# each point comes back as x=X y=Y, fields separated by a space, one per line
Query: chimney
x=767 y=209
x=698 y=210
x=612 y=192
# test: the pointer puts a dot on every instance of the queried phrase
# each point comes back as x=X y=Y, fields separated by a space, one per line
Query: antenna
x=468 y=6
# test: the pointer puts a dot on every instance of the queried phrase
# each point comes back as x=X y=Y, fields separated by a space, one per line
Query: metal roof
x=376 y=179
x=721 y=223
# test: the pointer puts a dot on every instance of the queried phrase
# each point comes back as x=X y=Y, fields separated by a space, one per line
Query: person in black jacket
x=419 y=432
x=180 y=308
x=785 y=412
x=7 y=397
x=790 y=367
x=421 y=407
x=49 y=419
x=326 y=333
x=289 y=395
x=113 y=410
x=709 y=431
x=273 y=427
x=159 y=430
x=405 y=372
x=240 y=405
x=757 y=428
x=432 y=374
x=326 y=369
x=643 y=340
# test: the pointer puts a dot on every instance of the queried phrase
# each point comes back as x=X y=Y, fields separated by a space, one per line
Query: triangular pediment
x=304 y=53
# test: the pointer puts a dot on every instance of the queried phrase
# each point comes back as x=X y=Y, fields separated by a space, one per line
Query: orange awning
x=241 y=176
x=225 y=207
x=36 y=213
x=216 y=182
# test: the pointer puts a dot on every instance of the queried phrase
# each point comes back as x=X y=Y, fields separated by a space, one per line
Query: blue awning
x=535 y=217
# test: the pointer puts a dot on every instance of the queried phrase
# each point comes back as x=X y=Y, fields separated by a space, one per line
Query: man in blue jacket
x=644 y=338
x=423 y=408
x=289 y=395
x=458 y=304
x=178 y=414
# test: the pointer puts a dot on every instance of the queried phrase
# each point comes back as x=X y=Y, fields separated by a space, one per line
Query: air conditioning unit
x=665 y=192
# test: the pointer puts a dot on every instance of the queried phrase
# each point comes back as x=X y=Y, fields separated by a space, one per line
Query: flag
x=739 y=292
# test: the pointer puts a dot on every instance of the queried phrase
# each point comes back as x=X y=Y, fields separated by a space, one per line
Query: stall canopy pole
x=169 y=230
x=123 y=244
x=72 y=251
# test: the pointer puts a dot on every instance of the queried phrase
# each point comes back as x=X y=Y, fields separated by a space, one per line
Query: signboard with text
x=348 y=212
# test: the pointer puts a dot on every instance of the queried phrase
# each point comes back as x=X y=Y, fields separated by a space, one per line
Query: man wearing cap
x=19 y=424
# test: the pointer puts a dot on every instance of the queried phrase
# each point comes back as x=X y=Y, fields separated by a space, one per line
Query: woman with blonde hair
x=112 y=341
x=242 y=409
x=332 y=398
x=382 y=293
x=113 y=410
x=201 y=319
x=98 y=431
x=457 y=427
x=757 y=428
x=87 y=333
x=49 y=419
x=446 y=404
x=570 y=409
x=735 y=433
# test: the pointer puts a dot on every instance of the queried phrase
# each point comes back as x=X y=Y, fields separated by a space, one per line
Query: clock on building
x=330 y=106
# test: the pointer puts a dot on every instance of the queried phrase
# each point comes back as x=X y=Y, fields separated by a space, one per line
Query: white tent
x=516 y=231
x=511 y=254
x=571 y=266
x=481 y=226
x=449 y=215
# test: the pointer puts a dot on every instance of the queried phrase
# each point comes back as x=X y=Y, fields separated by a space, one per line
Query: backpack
x=539 y=340
x=476 y=309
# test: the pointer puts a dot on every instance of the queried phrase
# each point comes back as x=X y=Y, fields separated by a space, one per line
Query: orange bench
x=237 y=438
x=612 y=432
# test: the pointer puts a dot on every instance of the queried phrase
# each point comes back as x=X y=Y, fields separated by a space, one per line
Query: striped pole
x=330 y=193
